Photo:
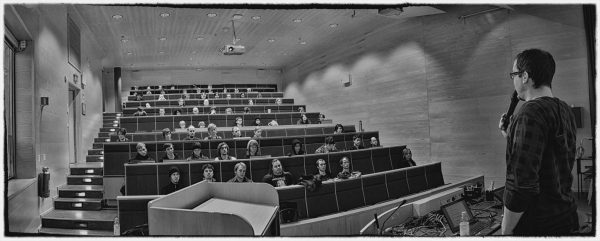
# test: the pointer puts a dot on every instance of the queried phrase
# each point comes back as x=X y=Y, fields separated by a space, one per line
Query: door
x=72 y=124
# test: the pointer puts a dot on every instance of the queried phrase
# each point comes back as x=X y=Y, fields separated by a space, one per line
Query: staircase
x=79 y=209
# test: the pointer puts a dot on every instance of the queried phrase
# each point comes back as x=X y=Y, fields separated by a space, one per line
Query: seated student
x=257 y=122
x=180 y=102
x=228 y=96
x=205 y=102
x=357 y=143
x=166 y=133
x=338 y=129
x=139 y=96
x=278 y=101
x=374 y=142
x=121 y=132
x=208 y=172
x=252 y=149
x=240 y=173
x=195 y=111
x=203 y=96
x=259 y=95
x=217 y=95
x=148 y=92
x=257 y=132
x=408 y=157
x=236 y=132
x=296 y=148
x=273 y=123
x=174 y=184
x=182 y=127
x=148 y=105
x=161 y=112
x=301 y=109
x=177 y=112
x=140 y=112
x=250 y=102
x=346 y=172
x=303 y=120
x=228 y=111
x=197 y=154
x=277 y=177
x=184 y=91
x=141 y=155
x=162 y=95
x=169 y=152
x=328 y=146
x=236 y=90
x=239 y=122
x=186 y=96
x=212 y=132
x=201 y=124
x=223 y=150
x=321 y=118
x=213 y=110
x=246 y=110
x=242 y=95
x=191 y=134
x=323 y=172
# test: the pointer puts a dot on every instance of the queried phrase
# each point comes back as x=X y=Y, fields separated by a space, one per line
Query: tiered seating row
x=333 y=197
x=147 y=178
x=117 y=154
x=187 y=109
x=156 y=123
x=199 y=101
x=247 y=131
x=215 y=88
x=194 y=95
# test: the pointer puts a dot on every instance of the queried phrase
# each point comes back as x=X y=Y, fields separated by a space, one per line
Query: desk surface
x=259 y=216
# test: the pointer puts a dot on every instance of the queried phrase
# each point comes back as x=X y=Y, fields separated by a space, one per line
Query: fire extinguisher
x=44 y=183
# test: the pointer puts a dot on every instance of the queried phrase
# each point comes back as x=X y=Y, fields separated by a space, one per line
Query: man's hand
x=503 y=119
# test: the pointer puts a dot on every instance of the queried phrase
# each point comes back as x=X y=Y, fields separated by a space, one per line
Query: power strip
x=434 y=202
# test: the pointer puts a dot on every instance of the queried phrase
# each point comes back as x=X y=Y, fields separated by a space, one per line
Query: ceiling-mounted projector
x=233 y=49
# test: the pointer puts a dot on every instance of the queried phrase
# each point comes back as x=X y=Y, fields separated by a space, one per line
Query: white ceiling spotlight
x=271 y=40
x=211 y=15
x=297 y=20
x=255 y=17
x=163 y=38
x=333 y=25
x=237 y=16
x=164 y=15
x=117 y=16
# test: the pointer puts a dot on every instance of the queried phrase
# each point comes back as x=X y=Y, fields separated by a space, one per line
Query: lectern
x=216 y=209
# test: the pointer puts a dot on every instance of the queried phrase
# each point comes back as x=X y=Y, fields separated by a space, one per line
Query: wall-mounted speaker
x=578 y=112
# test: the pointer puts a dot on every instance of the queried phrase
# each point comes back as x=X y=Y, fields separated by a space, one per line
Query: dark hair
x=173 y=169
x=167 y=145
x=336 y=127
x=356 y=137
x=329 y=140
x=208 y=165
x=196 y=146
x=139 y=108
x=177 y=110
x=122 y=130
x=538 y=64
x=294 y=143
x=165 y=131
x=342 y=159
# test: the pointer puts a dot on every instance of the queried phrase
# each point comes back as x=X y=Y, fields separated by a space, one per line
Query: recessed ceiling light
x=243 y=64
x=211 y=15
x=199 y=38
x=255 y=17
x=117 y=16
x=161 y=52
x=163 y=38
x=333 y=25
x=124 y=40
x=194 y=52
x=271 y=40
x=237 y=16
x=164 y=15
x=129 y=53
x=297 y=20
x=303 y=42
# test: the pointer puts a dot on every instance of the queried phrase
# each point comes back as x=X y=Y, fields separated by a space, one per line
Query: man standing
x=540 y=153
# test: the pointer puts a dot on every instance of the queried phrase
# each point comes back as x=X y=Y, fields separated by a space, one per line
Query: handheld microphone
x=514 y=100
x=376 y=223
x=389 y=216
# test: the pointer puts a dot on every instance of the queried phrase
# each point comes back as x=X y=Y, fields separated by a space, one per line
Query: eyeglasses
x=513 y=74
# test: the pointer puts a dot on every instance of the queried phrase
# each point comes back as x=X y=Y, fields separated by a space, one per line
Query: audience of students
x=182 y=127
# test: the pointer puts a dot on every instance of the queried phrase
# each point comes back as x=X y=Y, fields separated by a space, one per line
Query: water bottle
x=116 y=227
x=464 y=224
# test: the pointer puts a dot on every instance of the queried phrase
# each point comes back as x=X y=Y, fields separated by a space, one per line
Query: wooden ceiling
x=193 y=39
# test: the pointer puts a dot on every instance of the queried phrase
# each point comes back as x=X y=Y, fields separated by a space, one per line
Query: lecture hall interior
x=299 y=120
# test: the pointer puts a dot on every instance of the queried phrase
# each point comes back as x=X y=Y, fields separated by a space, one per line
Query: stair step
x=110 y=125
x=101 y=139
x=76 y=232
x=111 y=121
x=84 y=180
x=80 y=219
x=91 y=170
x=104 y=134
x=78 y=203
x=81 y=191
x=108 y=129
x=112 y=114
x=98 y=145
x=94 y=158
x=96 y=151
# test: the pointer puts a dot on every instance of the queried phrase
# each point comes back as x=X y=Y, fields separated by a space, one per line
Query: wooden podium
x=216 y=209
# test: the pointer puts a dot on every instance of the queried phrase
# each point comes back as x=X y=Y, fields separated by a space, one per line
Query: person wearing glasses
x=540 y=153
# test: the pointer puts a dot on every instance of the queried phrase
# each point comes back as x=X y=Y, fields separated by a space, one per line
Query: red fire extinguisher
x=44 y=183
